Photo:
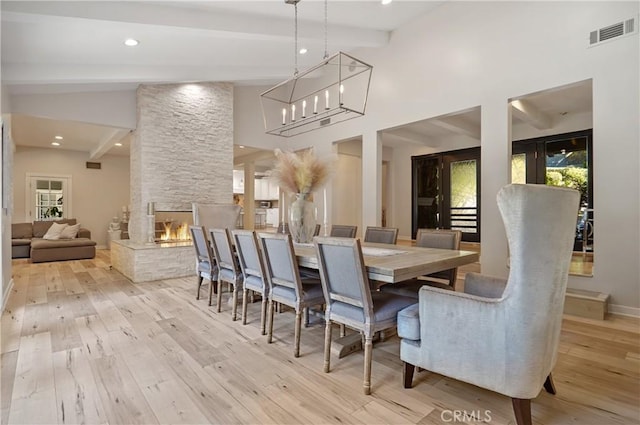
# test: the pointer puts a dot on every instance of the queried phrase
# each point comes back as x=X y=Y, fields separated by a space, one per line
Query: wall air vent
x=94 y=165
x=610 y=32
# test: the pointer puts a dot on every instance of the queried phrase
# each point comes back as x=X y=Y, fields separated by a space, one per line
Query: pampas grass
x=299 y=173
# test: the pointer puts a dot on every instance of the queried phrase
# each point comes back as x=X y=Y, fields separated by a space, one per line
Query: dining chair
x=343 y=231
x=388 y=235
x=502 y=334
x=206 y=267
x=348 y=299
x=430 y=238
x=250 y=260
x=228 y=269
x=285 y=285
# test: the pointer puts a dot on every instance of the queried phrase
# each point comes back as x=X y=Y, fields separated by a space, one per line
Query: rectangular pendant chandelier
x=336 y=90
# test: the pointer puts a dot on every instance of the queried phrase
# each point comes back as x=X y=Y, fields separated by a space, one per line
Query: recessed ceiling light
x=303 y=50
x=118 y=144
x=386 y=1
x=131 y=42
x=241 y=146
x=55 y=143
x=58 y=137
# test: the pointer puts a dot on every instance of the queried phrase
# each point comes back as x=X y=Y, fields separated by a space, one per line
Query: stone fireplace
x=181 y=152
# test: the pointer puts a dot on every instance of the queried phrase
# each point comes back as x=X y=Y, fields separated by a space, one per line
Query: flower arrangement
x=299 y=173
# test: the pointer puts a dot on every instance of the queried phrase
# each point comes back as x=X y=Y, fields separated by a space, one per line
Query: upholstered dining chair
x=285 y=285
x=348 y=299
x=499 y=334
x=430 y=238
x=250 y=259
x=343 y=231
x=387 y=235
x=228 y=268
x=206 y=267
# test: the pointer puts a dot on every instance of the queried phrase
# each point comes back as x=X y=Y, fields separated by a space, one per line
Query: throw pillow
x=70 y=232
x=54 y=231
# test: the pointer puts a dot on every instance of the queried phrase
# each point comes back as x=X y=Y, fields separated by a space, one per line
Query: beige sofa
x=27 y=242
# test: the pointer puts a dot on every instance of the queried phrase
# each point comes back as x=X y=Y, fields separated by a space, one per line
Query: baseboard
x=7 y=292
x=102 y=247
x=623 y=310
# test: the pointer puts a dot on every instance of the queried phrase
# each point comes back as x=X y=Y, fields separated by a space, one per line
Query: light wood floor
x=81 y=344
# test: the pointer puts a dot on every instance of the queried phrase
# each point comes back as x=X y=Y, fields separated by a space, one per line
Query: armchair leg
x=407 y=374
x=368 y=349
x=327 y=346
x=343 y=330
x=522 y=410
x=549 y=385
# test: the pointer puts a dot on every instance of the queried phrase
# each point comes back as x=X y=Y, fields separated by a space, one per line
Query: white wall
x=6 y=155
x=468 y=54
x=98 y=195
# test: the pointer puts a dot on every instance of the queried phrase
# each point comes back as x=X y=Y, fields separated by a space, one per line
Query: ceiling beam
x=107 y=143
x=458 y=125
x=254 y=157
x=406 y=136
x=218 y=22
x=527 y=112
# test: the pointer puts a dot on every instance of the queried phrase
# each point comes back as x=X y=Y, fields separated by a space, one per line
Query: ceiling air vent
x=612 y=31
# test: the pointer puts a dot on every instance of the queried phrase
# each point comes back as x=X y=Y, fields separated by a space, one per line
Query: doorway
x=446 y=192
x=561 y=160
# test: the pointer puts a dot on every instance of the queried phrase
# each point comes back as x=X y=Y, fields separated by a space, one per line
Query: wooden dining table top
x=395 y=263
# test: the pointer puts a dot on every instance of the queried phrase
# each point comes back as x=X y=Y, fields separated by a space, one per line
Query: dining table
x=389 y=264
x=395 y=263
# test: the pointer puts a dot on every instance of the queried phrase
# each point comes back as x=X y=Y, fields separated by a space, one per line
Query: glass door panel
x=464 y=196
x=426 y=203
x=564 y=160
x=446 y=192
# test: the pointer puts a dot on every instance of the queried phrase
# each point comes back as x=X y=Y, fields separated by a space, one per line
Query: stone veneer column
x=182 y=150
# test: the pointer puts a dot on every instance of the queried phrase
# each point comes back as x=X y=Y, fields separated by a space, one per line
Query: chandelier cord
x=295 y=47
x=326 y=55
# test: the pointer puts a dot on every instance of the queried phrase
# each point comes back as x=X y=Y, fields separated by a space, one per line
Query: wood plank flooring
x=83 y=345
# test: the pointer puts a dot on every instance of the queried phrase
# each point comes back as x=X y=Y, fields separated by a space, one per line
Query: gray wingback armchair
x=502 y=335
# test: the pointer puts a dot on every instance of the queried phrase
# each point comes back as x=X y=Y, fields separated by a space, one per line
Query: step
x=588 y=304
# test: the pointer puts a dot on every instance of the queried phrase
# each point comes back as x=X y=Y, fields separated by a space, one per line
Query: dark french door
x=560 y=160
x=446 y=192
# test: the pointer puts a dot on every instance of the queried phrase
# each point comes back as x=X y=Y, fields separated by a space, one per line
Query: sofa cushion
x=20 y=242
x=21 y=230
x=409 y=322
x=70 y=232
x=41 y=227
x=37 y=243
x=54 y=232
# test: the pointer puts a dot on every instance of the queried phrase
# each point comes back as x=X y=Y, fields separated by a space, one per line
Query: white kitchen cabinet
x=261 y=189
x=273 y=217
x=274 y=190
x=238 y=181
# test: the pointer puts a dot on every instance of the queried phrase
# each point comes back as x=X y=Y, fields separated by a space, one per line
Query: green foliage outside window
x=573 y=177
